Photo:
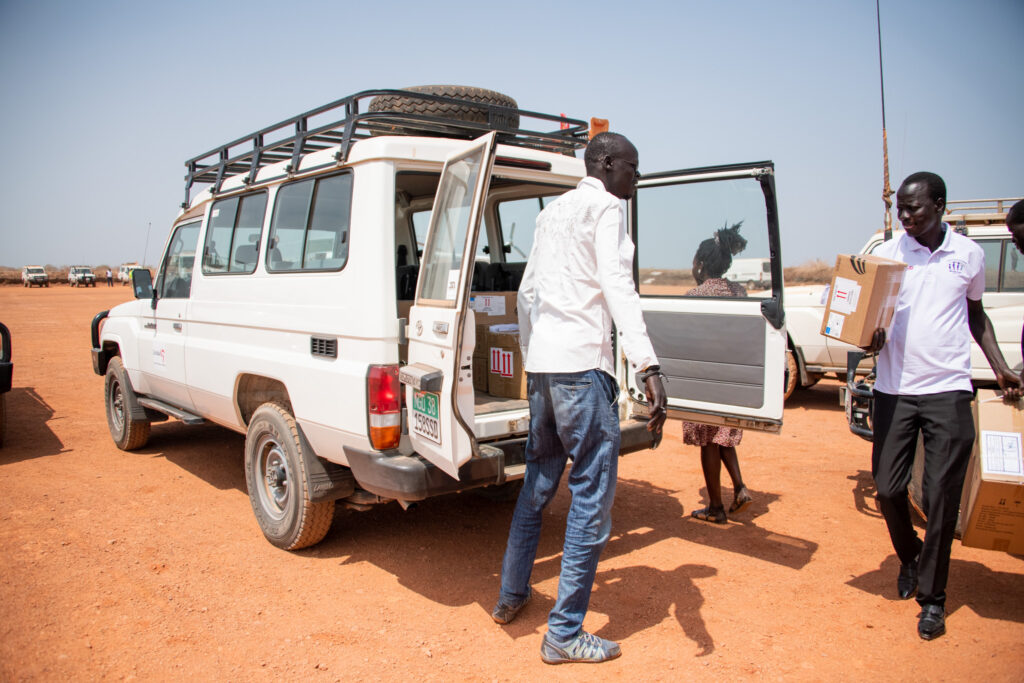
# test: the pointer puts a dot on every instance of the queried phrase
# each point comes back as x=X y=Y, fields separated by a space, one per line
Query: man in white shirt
x=578 y=281
x=924 y=383
x=1015 y=224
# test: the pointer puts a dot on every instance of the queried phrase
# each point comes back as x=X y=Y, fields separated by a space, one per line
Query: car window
x=309 y=229
x=517 y=220
x=993 y=251
x=1013 y=268
x=678 y=219
x=233 y=238
x=175 y=279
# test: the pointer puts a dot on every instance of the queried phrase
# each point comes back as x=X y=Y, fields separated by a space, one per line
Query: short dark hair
x=715 y=253
x=1015 y=216
x=935 y=184
x=603 y=144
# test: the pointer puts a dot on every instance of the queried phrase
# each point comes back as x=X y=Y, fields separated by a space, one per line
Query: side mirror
x=142 y=283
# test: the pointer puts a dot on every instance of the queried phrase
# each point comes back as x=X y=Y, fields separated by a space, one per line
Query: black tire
x=127 y=432
x=449 y=110
x=276 y=479
x=792 y=379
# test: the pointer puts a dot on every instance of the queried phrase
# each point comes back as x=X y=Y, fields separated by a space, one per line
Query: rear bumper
x=389 y=474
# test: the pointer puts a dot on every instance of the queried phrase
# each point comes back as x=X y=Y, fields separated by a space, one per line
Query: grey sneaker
x=504 y=614
x=586 y=647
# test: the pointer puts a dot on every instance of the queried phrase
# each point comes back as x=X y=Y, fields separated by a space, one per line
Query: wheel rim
x=116 y=406
x=274 y=478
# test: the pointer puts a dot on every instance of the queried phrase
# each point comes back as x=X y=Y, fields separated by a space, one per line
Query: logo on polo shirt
x=956 y=265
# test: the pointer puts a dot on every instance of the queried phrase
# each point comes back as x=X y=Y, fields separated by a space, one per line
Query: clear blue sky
x=102 y=101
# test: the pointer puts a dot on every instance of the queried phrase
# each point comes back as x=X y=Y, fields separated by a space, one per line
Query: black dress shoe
x=931 y=621
x=906 y=582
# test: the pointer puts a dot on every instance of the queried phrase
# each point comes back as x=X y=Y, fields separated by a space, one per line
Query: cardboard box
x=862 y=297
x=992 y=505
x=505 y=362
x=493 y=308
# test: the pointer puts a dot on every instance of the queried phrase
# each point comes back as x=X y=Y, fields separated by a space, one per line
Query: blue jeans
x=572 y=415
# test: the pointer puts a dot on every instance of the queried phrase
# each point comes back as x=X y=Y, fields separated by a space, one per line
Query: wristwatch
x=648 y=372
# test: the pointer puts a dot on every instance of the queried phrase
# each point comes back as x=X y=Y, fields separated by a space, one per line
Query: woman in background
x=718 y=444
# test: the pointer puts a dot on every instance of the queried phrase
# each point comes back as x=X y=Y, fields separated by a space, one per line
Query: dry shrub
x=812 y=272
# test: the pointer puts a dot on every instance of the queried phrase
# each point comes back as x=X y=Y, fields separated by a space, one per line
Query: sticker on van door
x=160 y=357
x=452 y=288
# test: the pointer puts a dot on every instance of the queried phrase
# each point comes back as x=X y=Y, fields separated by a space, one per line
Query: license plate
x=426 y=413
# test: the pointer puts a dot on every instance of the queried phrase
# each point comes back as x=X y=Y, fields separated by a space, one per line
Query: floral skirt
x=704 y=435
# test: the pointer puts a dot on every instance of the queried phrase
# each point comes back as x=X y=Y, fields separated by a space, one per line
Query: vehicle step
x=183 y=415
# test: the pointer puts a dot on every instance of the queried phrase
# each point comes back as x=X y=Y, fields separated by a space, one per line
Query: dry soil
x=149 y=565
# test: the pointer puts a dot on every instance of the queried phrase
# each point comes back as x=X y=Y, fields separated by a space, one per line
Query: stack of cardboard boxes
x=497 y=358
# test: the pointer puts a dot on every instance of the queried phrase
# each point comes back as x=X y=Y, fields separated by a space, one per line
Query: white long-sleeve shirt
x=578 y=280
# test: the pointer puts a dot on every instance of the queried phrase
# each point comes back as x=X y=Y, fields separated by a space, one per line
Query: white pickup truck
x=811 y=354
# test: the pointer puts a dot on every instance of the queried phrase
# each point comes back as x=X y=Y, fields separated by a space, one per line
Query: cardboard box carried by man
x=862 y=297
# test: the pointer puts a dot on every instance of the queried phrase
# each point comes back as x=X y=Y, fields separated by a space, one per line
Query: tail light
x=384 y=406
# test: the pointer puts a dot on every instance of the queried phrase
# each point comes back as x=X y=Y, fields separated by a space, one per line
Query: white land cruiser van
x=34 y=275
x=316 y=296
x=811 y=354
x=81 y=276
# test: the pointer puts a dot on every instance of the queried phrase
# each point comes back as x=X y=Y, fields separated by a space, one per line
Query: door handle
x=150 y=326
x=177 y=326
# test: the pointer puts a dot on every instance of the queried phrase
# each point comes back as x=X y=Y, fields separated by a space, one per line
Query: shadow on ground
x=28 y=432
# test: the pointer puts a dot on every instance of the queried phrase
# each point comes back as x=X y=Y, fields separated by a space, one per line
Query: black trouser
x=947 y=425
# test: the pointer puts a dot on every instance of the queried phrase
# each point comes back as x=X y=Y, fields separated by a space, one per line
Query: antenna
x=886 y=189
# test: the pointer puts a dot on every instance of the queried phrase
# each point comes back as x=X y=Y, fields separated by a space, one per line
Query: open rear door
x=438 y=378
x=724 y=352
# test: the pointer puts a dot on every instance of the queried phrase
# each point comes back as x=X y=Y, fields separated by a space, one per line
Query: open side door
x=723 y=352
x=438 y=378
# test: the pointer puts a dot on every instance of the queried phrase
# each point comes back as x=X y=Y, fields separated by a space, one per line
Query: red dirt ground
x=149 y=565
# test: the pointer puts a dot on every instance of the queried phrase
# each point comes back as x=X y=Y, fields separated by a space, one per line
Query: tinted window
x=233 y=238
x=309 y=229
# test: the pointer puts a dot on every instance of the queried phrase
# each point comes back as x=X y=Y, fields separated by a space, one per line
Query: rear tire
x=127 y=432
x=276 y=479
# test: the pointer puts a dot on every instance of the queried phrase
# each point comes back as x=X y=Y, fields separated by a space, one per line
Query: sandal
x=713 y=515
x=741 y=501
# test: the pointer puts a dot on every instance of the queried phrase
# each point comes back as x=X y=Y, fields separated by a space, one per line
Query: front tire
x=276 y=479
x=792 y=375
x=127 y=432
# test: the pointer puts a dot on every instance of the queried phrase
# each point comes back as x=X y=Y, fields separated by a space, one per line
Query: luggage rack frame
x=305 y=133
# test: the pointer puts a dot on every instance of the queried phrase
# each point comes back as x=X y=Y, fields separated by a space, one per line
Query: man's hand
x=656 y=404
x=1010 y=384
x=877 y=341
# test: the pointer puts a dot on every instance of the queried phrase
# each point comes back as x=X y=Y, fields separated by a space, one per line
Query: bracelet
x=651 y=371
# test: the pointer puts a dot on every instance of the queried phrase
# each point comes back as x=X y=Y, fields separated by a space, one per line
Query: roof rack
x=342 y=121
x=978 y=211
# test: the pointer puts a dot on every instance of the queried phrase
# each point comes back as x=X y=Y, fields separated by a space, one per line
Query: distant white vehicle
x=81 y=276
x=124 y=272
x=34 y=276
x=752 y=273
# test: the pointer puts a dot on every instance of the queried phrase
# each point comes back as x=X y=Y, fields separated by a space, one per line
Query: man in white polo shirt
x=924 y=383
x=578 y=281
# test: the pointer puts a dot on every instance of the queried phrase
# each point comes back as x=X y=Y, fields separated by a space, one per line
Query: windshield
x=35 y=271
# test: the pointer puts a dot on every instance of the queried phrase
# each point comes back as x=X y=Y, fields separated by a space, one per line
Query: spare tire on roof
x=459 y=111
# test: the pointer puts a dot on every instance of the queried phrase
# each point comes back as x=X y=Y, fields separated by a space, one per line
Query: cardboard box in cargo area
x=992 y=505
x=862 y=297
x=506 y=377
x=489 y=308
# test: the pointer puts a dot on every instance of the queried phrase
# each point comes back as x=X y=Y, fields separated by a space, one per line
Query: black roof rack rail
x=341 y=122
